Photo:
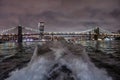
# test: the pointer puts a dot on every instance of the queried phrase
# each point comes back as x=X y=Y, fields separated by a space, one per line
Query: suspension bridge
x=21 y=32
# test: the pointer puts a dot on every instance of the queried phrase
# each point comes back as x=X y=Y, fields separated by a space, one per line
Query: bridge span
x=19 y=33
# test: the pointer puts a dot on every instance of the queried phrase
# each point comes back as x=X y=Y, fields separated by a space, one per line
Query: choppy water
x=10 y=48
x=59 y=61
x=45 y=66
x=109 y=47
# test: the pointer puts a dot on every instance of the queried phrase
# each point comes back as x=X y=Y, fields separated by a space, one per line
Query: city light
x=103 y=33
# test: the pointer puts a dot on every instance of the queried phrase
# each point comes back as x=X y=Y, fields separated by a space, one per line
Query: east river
x=104 y=54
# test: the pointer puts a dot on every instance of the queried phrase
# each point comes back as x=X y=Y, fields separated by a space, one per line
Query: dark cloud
x=61 y=15
x=116 y=13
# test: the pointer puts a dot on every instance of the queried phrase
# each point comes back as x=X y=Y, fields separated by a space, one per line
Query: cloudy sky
x=61 y=15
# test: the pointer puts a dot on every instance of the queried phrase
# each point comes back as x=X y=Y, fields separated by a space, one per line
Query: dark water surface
x=10 y=48
x=105 y=54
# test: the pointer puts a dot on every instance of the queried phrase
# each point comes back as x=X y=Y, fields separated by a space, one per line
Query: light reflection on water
x=105 y=46
x=11 y=48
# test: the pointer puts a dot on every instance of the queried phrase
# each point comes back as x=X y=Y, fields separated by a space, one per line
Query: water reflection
x=11 y=48
x=97 y=45
x=105 y=46
x=20 y=47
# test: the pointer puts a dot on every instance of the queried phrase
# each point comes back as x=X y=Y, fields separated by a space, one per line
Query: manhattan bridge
x=23 y=33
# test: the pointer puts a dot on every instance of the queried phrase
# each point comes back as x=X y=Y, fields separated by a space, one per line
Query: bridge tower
x=41 y=30
x=97 y=33
x=19 y=34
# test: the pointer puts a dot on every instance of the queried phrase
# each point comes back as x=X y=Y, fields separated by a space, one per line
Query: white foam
x=80 y=65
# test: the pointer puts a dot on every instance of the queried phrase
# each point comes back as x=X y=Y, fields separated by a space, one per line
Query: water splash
x=59 y=61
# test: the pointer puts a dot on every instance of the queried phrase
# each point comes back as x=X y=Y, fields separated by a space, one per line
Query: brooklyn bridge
x=23 y=33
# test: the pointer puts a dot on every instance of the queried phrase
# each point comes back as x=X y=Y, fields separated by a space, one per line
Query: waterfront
x=22 y=54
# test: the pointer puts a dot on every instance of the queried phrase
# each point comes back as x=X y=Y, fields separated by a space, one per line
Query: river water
x=10 y=48
x=41 y=64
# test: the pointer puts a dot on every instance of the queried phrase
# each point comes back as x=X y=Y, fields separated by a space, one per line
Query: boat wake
x=59 y=61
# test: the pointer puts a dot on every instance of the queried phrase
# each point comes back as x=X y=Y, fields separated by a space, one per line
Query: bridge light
x=55 y=32
x=23 y=33
x=58 y=33
x=27 y=33
x=9 y=34
x=75 y=32
x=78 y=32
x=44 y=33
x=50 y=33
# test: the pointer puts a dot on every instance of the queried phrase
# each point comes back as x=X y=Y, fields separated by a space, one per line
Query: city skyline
x=61 y=15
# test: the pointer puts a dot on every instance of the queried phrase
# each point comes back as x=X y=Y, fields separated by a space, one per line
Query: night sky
x=61 y=15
